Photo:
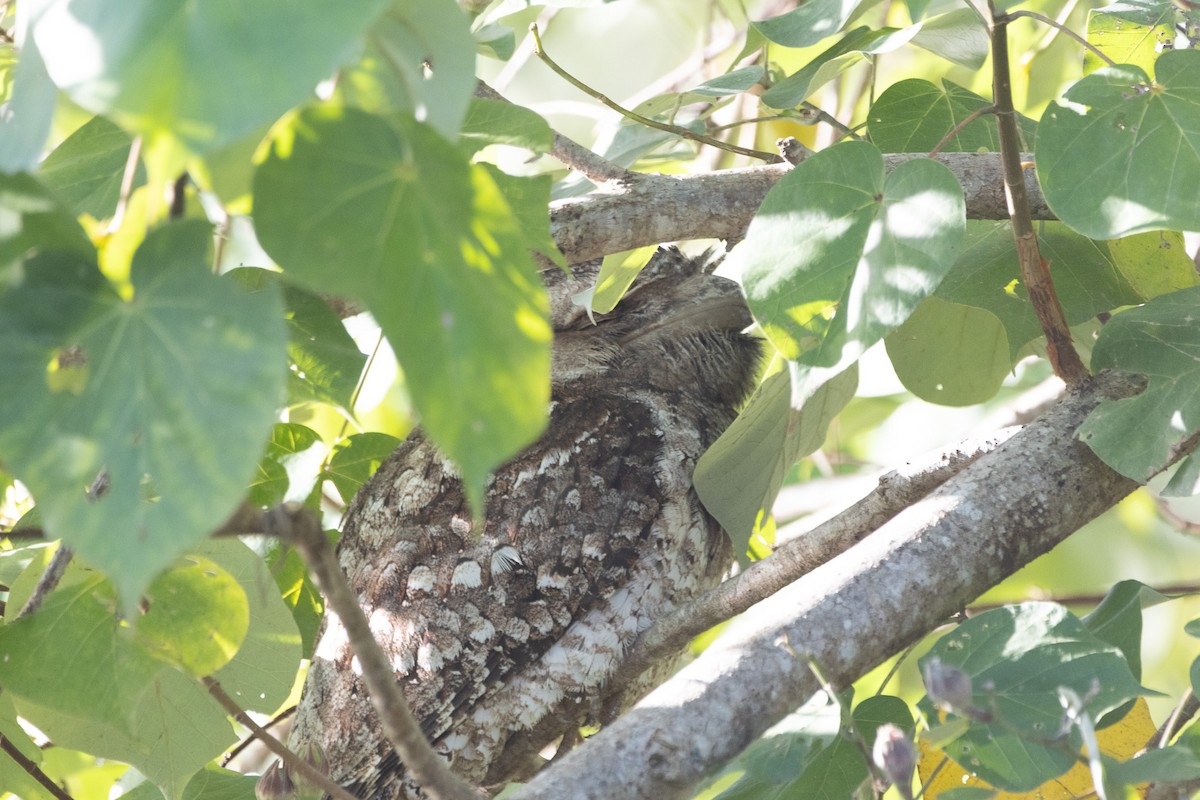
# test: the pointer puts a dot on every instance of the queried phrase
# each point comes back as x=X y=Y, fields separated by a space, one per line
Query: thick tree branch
x=800 y=555
x=651 y=209
x=855 y=611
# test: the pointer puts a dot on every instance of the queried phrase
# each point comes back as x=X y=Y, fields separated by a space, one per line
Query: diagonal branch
x=855 y=611
x=800 y=555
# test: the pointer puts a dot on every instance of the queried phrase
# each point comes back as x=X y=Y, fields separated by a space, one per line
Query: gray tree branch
x=644 y=209
x=849 y=615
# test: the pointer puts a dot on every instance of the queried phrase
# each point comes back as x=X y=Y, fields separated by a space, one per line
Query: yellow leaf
x=1119 y=741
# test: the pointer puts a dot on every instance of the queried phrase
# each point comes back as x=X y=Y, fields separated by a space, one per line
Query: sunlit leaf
x=839 y=254
x=168 y=67
x=86 y=170
x=108 y=392
x=427 y=241
x=356 y=458
x=1145 y=137
x=913 y=116
x=1130 y=32
x=196 y=616
x=391 y=75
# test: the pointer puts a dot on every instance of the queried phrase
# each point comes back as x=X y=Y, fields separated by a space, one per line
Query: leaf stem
x=1035 y=270
x=295 y=764
x=35 y=772
x=974 y=115
x=684 y=133
x=48 y=581
x=1053 y=23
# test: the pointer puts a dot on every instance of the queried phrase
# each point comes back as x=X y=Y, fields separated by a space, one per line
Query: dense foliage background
x=220 y=222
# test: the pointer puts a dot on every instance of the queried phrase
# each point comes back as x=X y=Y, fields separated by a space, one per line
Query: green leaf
x=171 y=740
x=839 y=255
x=1185 y=481
x=428 y=242
x=1130 y=32
x=617 y=273
x=1142 y=141
x=1161 y=339
x=913 y=116
x=495 y=41
x=1154 y=263
x=665 y=106
x=1166 y=764
x=356 y=458
x=215 y=783
x=166 y=67
x=1118 y=619
x=950 y=354
x=290 y=466
x=98 y=384
x=29 y=112
x=325 y=360
x=196 y=616
x=13 y=776
x=501 y=122
x=986 y=275
x=72 y=656
x=770 y=766
x=840 y=768
x=1017 y=657
x=86 y=170
x=529 y=199
x=298 y=592
x=33 y=220
x=391 y=75
x=845 y=53
x=263 y=672
x=959 y=36
x=175 y=728
x=808 y=24
x=739 y=477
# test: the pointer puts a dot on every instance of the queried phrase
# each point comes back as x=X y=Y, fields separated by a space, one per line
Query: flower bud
x=948 y=686
x=315 y=756
x=896 y=755
x=275 y=784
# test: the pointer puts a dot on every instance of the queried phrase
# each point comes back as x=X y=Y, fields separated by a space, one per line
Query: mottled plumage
x=504 y=638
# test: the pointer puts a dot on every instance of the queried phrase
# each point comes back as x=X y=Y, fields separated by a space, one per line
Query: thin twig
x=1035 y=270
x=684 y=133
x=33 y=769
x=1187 y=707
x=974 y=115
x=1063 y=29
x=48 y=581
x=300 y=526
x=295 y=764
x=570 y=152
x=178 y=203
x=131 y=165
x=253 y=737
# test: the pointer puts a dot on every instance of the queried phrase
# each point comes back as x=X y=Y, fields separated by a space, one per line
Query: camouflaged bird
x=504 y=638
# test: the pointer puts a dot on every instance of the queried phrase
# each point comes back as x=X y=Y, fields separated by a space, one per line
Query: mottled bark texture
x=504 y=636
